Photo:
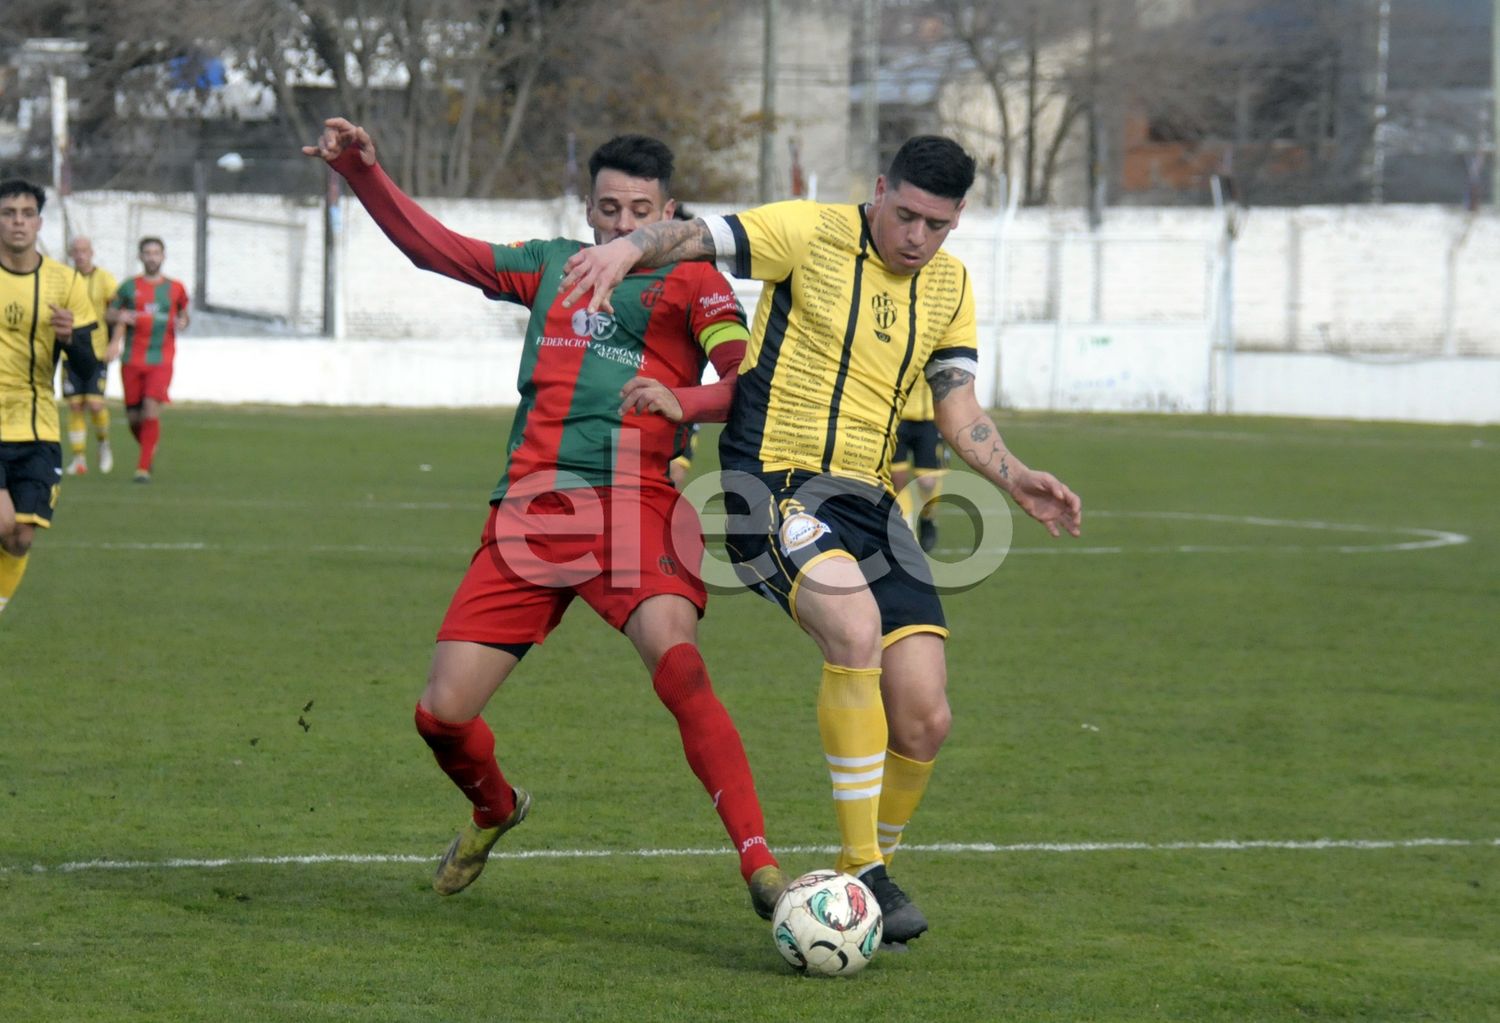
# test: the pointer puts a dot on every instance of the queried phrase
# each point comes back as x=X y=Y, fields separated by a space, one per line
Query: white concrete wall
x=1135 y=302
x=1116 y=368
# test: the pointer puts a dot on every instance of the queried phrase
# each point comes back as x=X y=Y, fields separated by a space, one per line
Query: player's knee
x=855 y=643
x=919 y=734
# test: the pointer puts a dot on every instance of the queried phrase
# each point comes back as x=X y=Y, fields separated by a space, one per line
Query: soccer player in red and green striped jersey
x=584 y=506
x=151 y=309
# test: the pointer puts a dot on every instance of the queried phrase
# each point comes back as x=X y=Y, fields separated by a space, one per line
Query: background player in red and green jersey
x=152 y=309
x=584 y=506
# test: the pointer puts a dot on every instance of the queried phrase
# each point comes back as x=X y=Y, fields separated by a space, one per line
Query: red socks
x=465 y=751
x=149 y=434
x=714 y=751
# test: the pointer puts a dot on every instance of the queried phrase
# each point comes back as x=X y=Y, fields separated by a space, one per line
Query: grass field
x=213 y=805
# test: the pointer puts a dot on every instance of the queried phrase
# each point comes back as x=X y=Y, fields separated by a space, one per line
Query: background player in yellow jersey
x=919 y=451
x=859 y=301
x=88 y=394
x=44 y=310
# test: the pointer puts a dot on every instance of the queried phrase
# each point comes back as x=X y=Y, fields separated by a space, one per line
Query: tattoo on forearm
x=947 y=381
x=673 y=241
x=980 y=445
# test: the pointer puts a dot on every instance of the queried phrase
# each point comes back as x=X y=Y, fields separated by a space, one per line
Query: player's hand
x=594 y=271
x=116 y=346
x=339 y=135
x=62 y=321
x=1045 y=498
x=643 y=395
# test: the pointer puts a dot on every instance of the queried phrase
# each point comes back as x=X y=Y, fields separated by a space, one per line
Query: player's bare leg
x=836 y=608
x=664 y=630
x=461 y=680
x=15 y=545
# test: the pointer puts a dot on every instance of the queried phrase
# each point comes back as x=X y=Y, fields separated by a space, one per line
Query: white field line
x=988 y=848
x=1422 y=539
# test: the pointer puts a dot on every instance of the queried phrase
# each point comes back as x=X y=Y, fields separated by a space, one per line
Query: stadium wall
x=1364 y=312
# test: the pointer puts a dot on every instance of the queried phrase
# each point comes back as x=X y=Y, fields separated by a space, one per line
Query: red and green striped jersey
x=574 y=364
x=568 y=431
x=151 y=334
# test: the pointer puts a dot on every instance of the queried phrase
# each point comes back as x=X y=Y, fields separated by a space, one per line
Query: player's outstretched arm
x=595 y=271
x=430 y=245
x=970 y=431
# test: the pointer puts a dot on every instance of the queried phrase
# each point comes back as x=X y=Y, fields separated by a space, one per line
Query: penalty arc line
x=989 y=848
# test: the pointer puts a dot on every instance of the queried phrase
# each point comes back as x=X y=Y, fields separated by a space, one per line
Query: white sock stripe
x=844 y=795
x=833 y=761
x=847 y=778
x=889 y=829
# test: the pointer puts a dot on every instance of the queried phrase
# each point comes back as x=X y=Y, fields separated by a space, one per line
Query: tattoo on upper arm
x=673 y=241
x=946 y=381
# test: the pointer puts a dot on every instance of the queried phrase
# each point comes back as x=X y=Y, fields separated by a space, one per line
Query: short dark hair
x=19 y=186
x=148 y=240
x=934 y=163
x=640 y=156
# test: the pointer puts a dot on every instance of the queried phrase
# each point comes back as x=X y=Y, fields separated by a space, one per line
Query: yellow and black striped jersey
x=839 y=339
x=918 y=407
x=102 y=287
x=29 y=350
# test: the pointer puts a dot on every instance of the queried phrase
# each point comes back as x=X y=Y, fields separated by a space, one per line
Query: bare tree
x=467 y=97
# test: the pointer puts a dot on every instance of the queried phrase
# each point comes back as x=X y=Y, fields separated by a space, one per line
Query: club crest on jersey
x=13 y=314
x=800 y=529
x=599 y=326
x=652 y=294
x=883 y=308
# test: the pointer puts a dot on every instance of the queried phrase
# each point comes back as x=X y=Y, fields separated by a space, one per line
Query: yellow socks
x=900 y=792
x=78 y=431
x=11 y=570
x=100 y=419
x=851 y=722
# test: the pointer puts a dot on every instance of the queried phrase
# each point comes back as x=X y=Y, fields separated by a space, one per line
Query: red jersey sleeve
x=417 y=233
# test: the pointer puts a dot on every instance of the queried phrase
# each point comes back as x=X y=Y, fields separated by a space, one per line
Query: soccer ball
x=827 y=923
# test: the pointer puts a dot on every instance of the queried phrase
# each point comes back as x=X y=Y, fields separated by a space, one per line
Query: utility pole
x=1382 y=82
x=869 y=108
x=1495 y=109
x=768 y=106
x=1095 y=156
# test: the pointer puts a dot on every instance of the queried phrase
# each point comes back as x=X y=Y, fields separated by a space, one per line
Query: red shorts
x=146 y=382
x=612 y=547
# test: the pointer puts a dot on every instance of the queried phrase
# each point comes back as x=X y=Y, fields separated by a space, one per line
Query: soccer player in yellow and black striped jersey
x=44 y=311
x=859 y=302
x=85 y=395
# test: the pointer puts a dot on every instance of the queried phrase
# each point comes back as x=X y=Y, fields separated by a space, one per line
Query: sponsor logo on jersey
x=599 y=326
x=800 y=529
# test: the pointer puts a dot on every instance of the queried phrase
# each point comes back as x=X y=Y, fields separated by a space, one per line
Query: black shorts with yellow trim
x=919 y=444
x=31 y=471
x=782 y=523
x=76 y=386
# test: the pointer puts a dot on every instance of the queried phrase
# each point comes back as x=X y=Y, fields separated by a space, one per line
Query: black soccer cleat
x=903 y=920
